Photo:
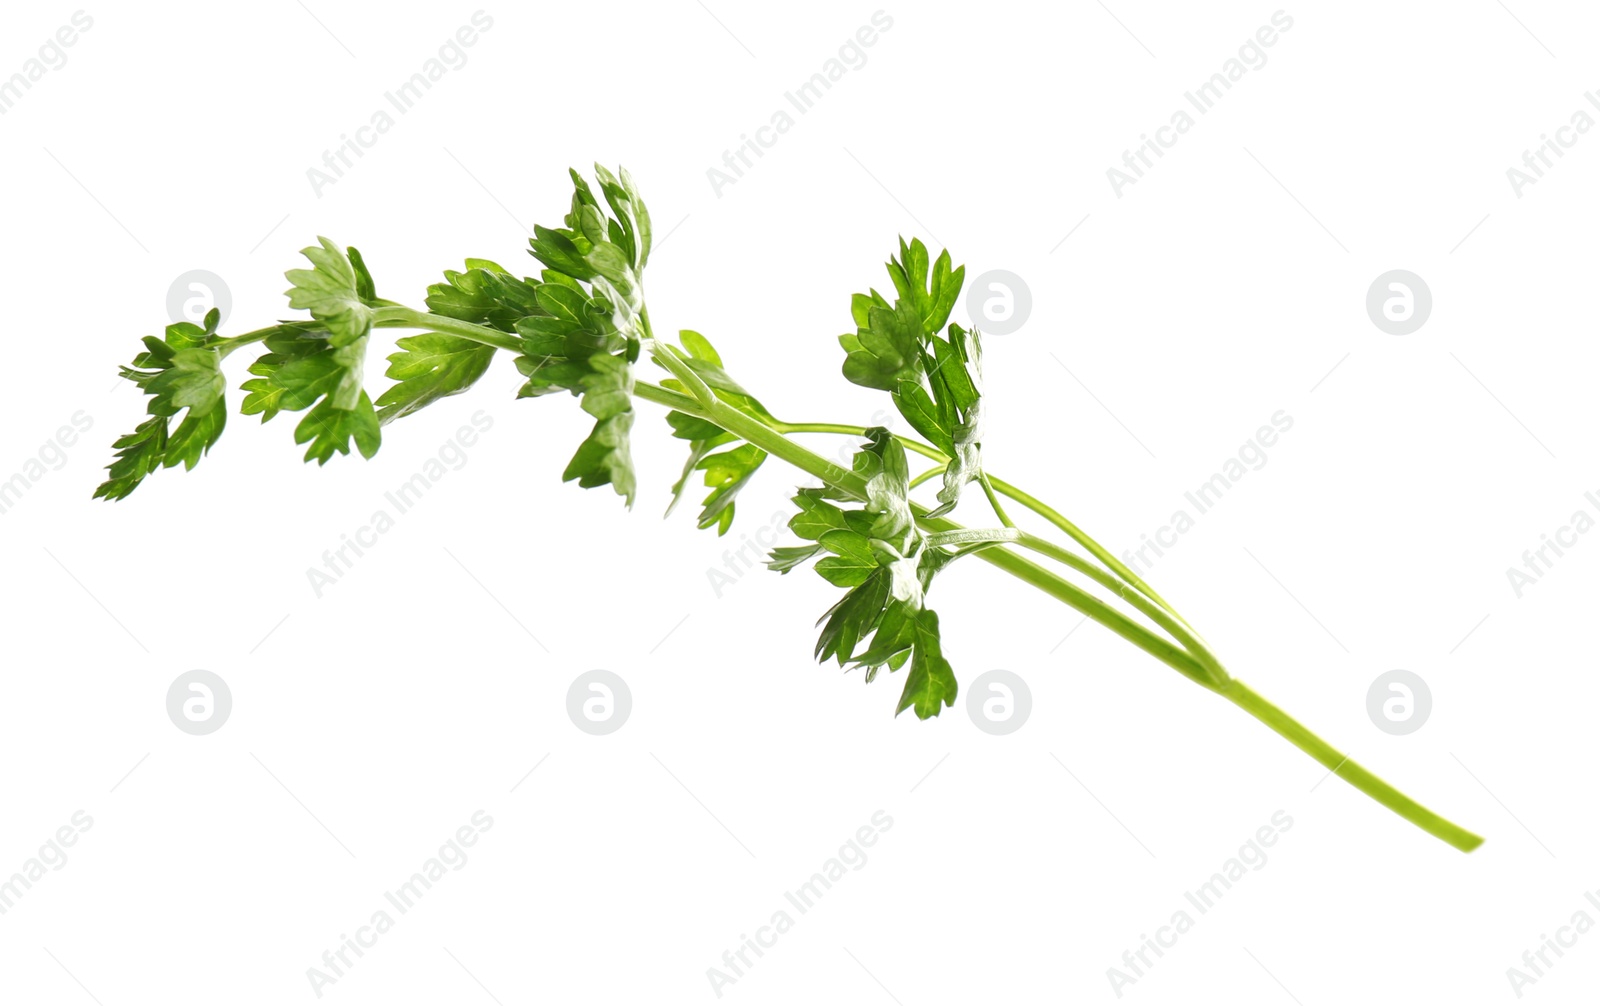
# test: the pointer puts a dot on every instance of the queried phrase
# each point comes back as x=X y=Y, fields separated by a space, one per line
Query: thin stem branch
x=228 y=345
x=405 y=317
x=840 y=428
x=1175 y=626
x=665 y=396
x=971 y=536
x=1340 y=765
x=1076 y=597
x=752 y=430
x=1076 y=534
x=999 y=511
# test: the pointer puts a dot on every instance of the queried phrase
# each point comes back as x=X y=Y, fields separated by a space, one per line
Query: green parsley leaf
x=703 y=437
x=930 y=684
x=882 y=462
x=892 y=640
x=847 y=570
x=180 y=373
x=787 y=557
x=855 y=616
x=876 y=551
x=332 y=371
x=329 y=429
x=484 y=294
x=884 y=351
x=289 y=341
x=956 y=380
x=303 y=369
x=933 y=297
x=137 y=455
x=607 y=252
x=728 y=472
x=430 y=367
x=332 y=291
x=818 y=516
x=886 y=348
x=934 y=382
x=565 y=330
x=603 y=456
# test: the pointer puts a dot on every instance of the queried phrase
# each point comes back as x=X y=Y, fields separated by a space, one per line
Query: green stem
x=1340 y=765
x=708 y=406
x=405 y=317
x=971 y=536
x=840 y=428
x=994 y=502
x=1076 y=534
x=925 y=476
x=227 y=346
x=1193 y=659
x=663 y=396
x=1217 y=677
x=1076 y=597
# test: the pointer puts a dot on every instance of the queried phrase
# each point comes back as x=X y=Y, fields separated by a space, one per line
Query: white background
x=1227 y=284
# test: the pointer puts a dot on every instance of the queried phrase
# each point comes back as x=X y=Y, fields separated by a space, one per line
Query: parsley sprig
x=582 y=326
